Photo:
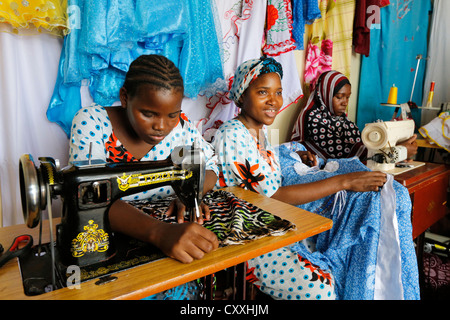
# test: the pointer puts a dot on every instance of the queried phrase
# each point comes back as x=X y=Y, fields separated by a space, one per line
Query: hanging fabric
x=303 y=12
x=47 y=16
x=438 y=130
x=330 y=39
x=367 y=17
x=393 y=60
x=437 y=66
x=245 y=25
x=278 y=28
x=280 y=44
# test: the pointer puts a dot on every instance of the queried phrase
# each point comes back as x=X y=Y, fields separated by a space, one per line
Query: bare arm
x=355 y=181
x=210 y=181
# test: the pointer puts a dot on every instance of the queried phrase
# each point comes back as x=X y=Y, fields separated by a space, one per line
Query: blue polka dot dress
x=92 y=125
x=282 y=274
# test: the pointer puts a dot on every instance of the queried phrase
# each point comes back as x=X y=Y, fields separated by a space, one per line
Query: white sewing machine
x=381 y=139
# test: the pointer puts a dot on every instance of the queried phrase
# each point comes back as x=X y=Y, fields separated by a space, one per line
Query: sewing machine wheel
x=33 y=192
x=374 y=136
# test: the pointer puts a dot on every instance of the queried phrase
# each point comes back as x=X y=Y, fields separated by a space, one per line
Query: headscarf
x=249 y=71
x=323 y=132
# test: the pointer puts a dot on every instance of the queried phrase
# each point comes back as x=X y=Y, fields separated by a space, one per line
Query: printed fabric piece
x=47 y=16
x=436 y=269
x=349 y=249
x=438 y=130
x=187 y=291
x=92 y=125
x=233 y=220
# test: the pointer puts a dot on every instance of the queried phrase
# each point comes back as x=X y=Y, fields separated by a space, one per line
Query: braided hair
x=154 y=70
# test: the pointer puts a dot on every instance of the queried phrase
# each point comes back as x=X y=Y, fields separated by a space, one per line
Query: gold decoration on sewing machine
x=125 y=182
x=92 y=240
x=49 y=171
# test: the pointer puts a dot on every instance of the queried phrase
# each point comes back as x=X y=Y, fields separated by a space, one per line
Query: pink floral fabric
x=318 y=60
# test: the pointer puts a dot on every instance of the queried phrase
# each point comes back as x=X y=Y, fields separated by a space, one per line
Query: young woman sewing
x=323 y=126
x=147 y=126
x=338 y=262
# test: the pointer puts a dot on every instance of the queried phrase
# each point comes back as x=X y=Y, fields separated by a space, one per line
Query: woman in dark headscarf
x=323 y=127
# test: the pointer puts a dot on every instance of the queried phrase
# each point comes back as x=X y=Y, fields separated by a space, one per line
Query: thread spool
x=392 y=99
x=430 y=96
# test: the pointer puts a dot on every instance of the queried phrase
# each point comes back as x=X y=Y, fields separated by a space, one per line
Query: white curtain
x=28 y=68
x=438 y=63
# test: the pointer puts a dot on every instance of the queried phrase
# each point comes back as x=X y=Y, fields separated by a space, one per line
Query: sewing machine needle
x=197 y=211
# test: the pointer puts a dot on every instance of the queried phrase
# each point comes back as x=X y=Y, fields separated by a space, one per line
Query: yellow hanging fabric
x=48 y=16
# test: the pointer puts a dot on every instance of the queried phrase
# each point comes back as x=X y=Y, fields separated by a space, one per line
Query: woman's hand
x=176 y=206
x=185 y=242
x=308 y=158
x=363 y=180
x=411 y=146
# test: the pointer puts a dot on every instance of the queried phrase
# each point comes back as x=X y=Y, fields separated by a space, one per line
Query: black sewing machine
x=84 y=237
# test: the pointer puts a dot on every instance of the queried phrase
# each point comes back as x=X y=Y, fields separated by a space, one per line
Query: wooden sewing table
x=147 y=279
x=427 y=186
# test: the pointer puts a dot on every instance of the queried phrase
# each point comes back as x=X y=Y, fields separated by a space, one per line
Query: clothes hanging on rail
x=437 y=66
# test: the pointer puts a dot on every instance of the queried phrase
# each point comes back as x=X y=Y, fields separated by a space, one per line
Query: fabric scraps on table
x=233 y=220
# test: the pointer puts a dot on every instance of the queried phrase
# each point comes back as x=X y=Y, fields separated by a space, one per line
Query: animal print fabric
x=233 y=220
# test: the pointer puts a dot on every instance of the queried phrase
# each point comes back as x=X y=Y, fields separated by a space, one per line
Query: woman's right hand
x=364 y=180
x=185 y=242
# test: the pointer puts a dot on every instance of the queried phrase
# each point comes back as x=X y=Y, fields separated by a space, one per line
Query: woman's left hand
x=411 y=147
x=308 y=158
x=176 y=206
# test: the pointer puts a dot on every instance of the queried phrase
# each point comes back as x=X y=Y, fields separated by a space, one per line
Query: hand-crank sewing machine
x=84 y=237
x=381 y=139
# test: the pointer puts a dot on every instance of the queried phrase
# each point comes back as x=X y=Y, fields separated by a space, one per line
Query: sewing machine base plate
x=410 y=166
x=36 y=268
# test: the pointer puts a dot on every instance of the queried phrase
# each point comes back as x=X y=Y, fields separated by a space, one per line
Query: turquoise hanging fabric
x=106 y=36
x=393 y=50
